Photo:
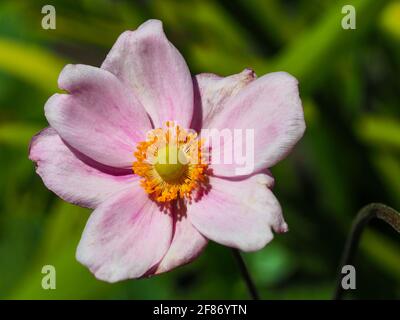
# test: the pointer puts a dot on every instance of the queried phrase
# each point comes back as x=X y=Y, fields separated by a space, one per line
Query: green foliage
x=349 y=156
x=32 y=64
x=380 y=131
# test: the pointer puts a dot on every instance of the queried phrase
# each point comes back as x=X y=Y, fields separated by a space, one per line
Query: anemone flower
x=111 y=129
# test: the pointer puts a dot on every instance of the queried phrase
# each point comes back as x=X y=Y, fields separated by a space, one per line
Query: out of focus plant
x=349 y=155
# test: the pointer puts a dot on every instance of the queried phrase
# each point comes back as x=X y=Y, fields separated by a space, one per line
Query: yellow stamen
x=171 y=163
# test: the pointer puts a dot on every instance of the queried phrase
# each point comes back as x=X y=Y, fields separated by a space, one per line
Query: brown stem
x=373 y=210
x=246 y=275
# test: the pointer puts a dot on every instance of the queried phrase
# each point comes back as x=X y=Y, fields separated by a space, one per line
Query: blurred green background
x=348 y=157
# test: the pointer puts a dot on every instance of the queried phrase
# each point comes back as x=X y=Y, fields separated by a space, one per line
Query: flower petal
x=148 y=63
x=65 y=172
x=100 y=117
x=187 y=243
x=238 y=214
x=212 y=92
x=270 y=108
x=125 y=236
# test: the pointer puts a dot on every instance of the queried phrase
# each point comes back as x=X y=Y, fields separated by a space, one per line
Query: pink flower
x=144 y=222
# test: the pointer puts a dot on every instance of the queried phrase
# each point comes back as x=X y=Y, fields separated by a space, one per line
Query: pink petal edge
x=238 y=214
x=72 y=179
x=270 y=106
x=148 y=63
x=99 y=117
x=187 y=244
x=125 y=237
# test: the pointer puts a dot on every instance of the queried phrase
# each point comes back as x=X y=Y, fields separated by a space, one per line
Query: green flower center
x=171 y=163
